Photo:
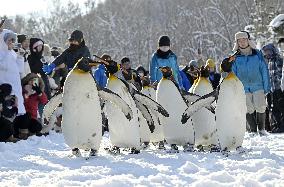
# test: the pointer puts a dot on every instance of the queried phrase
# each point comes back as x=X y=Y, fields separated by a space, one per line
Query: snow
x=46 y=161
x=277 y=21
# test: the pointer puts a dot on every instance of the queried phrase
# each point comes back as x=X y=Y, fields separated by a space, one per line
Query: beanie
x=21 y=38
x=164 y=41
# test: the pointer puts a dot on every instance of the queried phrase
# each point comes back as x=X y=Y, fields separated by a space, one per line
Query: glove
x=47 y=69
x=37 y=89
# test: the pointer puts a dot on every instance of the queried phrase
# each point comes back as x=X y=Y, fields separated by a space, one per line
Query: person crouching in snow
x=33 y=92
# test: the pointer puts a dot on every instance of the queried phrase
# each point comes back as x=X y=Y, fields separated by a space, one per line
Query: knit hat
x=77 y=36
x=243 y=34
x=21 y=38
x=5 y=90
x=193 y=63
x=164 y=41
x=210 y=63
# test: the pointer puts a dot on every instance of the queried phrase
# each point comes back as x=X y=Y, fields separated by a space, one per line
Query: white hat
x=243 y=34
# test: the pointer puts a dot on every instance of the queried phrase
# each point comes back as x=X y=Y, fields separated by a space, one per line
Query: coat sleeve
x=86 y=53
x=234 y=68
x=42 y=98
x=178 y=74
x=21 y=64
x=282 y=79
x=153 y=69
x=60 y=59
x=264 y=74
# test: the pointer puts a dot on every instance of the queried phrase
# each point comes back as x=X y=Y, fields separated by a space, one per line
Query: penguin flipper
x=146 y=114
x=204 y=101
x=108 y=95
x=150 y=103
x=50 y=107
x=191 y=98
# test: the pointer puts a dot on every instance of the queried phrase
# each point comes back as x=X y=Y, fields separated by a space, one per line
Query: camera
x=9 y=101
x=17 y=47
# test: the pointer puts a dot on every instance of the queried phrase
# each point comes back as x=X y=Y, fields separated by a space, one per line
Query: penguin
x=169 y=96
x=158 y=134
x=230 y=109
x=204 y=120
x=81 y=117
x=124 y=133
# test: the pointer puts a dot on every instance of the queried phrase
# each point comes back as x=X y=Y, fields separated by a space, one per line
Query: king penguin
x=230 y=109
x=124 y=133
x=204 y=120
x=82 y=120
x=169 y=96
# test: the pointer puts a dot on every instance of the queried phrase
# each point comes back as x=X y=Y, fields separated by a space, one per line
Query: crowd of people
x=31 y=72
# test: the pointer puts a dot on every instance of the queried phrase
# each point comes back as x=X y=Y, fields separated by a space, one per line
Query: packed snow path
x=46 y=161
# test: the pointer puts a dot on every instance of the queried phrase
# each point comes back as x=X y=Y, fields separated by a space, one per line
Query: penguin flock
x=201 y=119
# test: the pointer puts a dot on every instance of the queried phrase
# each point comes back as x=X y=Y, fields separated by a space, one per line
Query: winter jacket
x=31 y=103
x=185 y=82
x=35 y=61
x=100 y=75
x=171 y=61
x=70 y=57
x=214 y=79
x=11 y=66
x=275 y=64
x=252 y=71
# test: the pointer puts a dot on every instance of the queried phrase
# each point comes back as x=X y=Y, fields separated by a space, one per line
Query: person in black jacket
x=76 y=50
x=36 y=63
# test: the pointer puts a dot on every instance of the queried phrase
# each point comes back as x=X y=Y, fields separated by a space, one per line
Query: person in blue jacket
x=161 y=58
x=185 y=81
x=252 y=70
x=100 y=72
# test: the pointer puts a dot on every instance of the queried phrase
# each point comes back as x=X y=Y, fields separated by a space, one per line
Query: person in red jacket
x=33 y=92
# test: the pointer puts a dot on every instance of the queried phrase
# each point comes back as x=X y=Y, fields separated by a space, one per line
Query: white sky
x=24 y=7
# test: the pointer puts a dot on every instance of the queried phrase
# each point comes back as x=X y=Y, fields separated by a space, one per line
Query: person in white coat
x=11 y=65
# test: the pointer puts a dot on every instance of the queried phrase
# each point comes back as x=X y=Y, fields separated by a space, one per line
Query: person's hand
x=47 y=69
x=37 y=89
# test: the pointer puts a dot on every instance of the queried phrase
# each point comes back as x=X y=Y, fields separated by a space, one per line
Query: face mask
x=164 y=48
x=73 y=47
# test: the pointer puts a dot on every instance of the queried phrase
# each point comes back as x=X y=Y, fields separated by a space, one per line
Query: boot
x=261 y=124
x=251 y=123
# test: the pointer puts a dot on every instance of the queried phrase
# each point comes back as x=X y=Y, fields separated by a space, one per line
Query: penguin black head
x=112 y=66
x=226 y=65
x=83 y=64
x=166 y=71
x=204 y=71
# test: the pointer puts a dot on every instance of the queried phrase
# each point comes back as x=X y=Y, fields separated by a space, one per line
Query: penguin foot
x=134 y=151
x=76 y=152
x=145 y=145
x=225 y=152
x=214 y=148
x=242 y=150
x=114 y=150
x=174 y=149
x=161 y=145
x=200 y=148
x=188 y=148
x=93 y=152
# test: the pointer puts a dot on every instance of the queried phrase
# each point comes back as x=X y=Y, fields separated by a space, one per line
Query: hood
x=3 y=45
x=30 y=76
x=33 y=41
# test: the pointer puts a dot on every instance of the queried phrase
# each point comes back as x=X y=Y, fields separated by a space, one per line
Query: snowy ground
x=45 y=161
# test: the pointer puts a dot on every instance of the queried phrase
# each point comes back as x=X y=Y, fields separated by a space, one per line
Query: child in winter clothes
x=33 y=92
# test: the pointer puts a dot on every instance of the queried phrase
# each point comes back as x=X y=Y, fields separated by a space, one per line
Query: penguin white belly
x=81 y=119
x=158 y=134
x=231 y=114
x=204 y=121
x=122 y=132
x=175 y=132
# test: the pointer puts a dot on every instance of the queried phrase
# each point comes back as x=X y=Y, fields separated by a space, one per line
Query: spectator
x=76 y=50
x=275 y=66
x=130 y=74
x=24 y=51
x=36 y=62
x=185 y=81
x=164 y=57
x=11 y=65
x=33 y=91
x=251 y=68
x=214 y=77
